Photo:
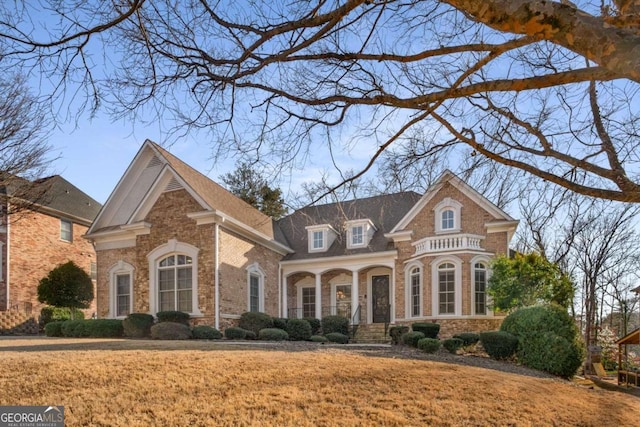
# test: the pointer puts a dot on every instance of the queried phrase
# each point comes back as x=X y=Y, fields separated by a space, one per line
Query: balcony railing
x=452 y=242
x=343 y=310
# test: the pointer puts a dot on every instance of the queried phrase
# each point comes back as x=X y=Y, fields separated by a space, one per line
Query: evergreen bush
x=337 y=337
x=316 y=324
x=205 y=332
x=53 y=329
x=173 y=316
x=235 y=333
x=468 y=338
x=332 y=324
x=170 y=331
x=318 y=338
x=453 y=345
x=273 y=334
x=430 y=330
x=58 y=314
x=280 y=323
x=412 y=338
x=103 y=328
x=137 y=325
x=396 y=333
x=429 y=345
x=299 y=330
x=499 y=344
x=255 y=321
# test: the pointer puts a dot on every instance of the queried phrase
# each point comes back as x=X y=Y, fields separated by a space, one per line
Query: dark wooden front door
x=380 y=299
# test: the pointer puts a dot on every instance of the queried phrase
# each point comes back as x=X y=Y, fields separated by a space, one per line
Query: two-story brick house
x=45 y=232
x=169 y=238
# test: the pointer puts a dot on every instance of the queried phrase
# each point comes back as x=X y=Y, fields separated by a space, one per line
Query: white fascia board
x=497 y=227
x=347 y=262
x=399 y=236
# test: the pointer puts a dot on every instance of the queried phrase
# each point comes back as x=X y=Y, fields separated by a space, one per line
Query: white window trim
x=334 y=301
x=445 y=205
x=121 y=268
x=407 y=280
x=486 y=261
x=368 y=229
x=62 y=221
x=254 y=269
x=328 y=236
x=159 y=253
x=435 y=288
x=307 y=282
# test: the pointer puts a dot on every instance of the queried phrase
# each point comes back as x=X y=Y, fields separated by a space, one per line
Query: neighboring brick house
x=170 y=238
x=45 y=232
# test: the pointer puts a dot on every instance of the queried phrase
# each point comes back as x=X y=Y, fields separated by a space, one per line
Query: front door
x=380 y=301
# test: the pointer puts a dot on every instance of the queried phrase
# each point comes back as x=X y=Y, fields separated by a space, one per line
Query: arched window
x=255 y=284
x=447 y=216
x=446 y=288
x=480 y=288
x=120 y=289
x=173 y=278
x=416 y=294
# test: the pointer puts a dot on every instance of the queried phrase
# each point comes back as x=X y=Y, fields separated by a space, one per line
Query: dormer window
x=447 y=216
x=359 y=233
x=321 y=237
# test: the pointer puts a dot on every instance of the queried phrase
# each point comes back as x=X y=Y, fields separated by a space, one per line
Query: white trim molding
x=448 y=205
x=486 y=261
x=120 y=268
x=255 y=270
x=408 y=268
x=435 y=286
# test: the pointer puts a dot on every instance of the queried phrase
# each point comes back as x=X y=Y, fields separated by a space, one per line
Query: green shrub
x=235 y=333
x=205 y=332
x=280 y=323
x=170 y=331
x=318 y=338
x=316 y=324
x=103 y=328
x=332 y=324
x=337 y=337
x=53 y=329
x=429 y=345
x=452 y=345
x=396 y=333
x=137 y=325
x=549 y=339
x=58 y=314
x=298 y=330
x=255 y=321
x=499 y=344
x=273 y=334
x=173 y=316
x=74 y=329
x=430 y=330
x=250 y=335
x=412 y=338
x=468 y=338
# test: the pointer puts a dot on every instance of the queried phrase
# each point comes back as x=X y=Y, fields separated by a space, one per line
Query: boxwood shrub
x=255 y=321
x=468 y=338
x=205 y=332
x=452 y=345
x=173 y=316
x=298 y=330
x=170 y=331
x=53 y=329
x=337 y=337
x=273 y=334
x=332 y=324
x=250 y=335
x=499 y=344
x=58 y=314
x=430 y=330
x=396 y=333
x=429 y=345
x=318 y=338
x=74 y=329
x=137 y=325
x=235 y=333
x=103 y=328
x=316 y=324
x=412 y=338
x=280 y=323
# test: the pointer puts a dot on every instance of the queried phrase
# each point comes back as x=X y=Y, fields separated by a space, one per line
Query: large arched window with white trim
x=413 y=284
x=120 y=289
x=480 y=288
x=447 y=216
x=447 y=286
x=255 y=284
x=173 y=278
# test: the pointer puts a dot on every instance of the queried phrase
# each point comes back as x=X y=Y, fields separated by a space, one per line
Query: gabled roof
x=155 y=170
x=383 y=211
x=498 y=214
x=64 y=197
x=631 y=338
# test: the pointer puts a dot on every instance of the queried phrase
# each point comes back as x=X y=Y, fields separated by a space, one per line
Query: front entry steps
x=373 y=333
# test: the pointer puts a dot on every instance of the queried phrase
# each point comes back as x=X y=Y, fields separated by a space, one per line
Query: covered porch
x=628 y=371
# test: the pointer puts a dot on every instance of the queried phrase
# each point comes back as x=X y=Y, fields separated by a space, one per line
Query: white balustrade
x=455 y=242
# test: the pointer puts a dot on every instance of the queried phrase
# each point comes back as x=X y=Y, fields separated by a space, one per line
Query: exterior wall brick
x=34 y=249
x=451 y=327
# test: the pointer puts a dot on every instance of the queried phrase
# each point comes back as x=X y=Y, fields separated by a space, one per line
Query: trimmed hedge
x=58 y=314
x=205 y=332
x=235 y=333
x=53 y=329
x=412 y=338
x=173 y=316
x=430 y=330
x=337 y=337
x=298 y=330
x=453 y=345
x=250 y=335
x=429 y=345
x=170 y=331
x=331 y=324
x=273 y=334
x=137 y=325
x=255 y=321
x=318 y=338
x=74 y=329
x=280 y=323
x=316 y=324
x=468 y=338
x=396 y=333
x=103 y=328
x=499 y=344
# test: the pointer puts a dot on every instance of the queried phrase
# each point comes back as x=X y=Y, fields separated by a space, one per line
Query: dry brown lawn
x=129 y=383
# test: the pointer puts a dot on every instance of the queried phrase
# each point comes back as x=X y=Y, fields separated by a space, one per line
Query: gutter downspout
x=8 y=246
x=216 y=277
x=280 y=290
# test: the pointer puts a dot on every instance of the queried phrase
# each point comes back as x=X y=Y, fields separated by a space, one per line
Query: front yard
x=184 y=383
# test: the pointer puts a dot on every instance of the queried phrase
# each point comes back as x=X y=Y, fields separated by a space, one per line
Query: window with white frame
x=308 y=302
x=121 y=289
x=447 y=216
x=320 y=237
x=175 y=283
x=255 y=283
x=446 y=288
x=66 y=230
x=357 y=235
x=318 y=240
x=416 y=298
x=341 y=300
x=480 y=288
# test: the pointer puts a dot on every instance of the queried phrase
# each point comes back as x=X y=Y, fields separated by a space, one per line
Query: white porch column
x=354 y=296
x=318 y=296
x=285 y=298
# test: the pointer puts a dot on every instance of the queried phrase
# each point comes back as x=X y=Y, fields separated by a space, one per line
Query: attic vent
x=155 y=161
x=173 y=185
